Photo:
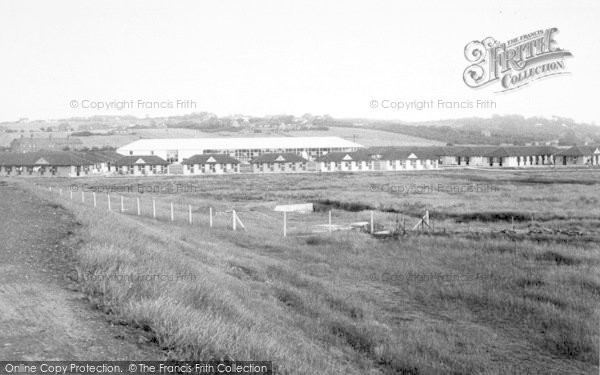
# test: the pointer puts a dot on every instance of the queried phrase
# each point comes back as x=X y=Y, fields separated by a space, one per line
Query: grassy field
x=491 y=291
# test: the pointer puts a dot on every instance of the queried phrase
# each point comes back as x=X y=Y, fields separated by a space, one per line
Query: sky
x=344 y=58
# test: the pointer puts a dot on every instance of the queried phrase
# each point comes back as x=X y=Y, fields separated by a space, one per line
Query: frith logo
x=515 y=63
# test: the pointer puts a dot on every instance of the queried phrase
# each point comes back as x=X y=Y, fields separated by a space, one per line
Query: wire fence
x=177 y=210
x=262 y=219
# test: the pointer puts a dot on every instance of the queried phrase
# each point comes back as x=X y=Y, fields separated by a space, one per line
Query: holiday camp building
x=142 y=165
x=44 y=163
x=474 y=156
x=579 y=155
x=243 y=149
x=102 y=160
x=400 y=159
x=521 y=156
x=211 y=164
x=285 y=162
x=358 y=161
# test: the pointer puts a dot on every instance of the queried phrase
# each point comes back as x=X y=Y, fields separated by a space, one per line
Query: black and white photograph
x=278 y=187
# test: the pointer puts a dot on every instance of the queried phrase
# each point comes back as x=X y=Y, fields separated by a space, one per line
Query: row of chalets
x=82 y=163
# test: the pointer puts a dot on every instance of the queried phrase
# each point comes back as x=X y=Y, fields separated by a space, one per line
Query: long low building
x=375 y=159
x=56 y=163
x=177 y=150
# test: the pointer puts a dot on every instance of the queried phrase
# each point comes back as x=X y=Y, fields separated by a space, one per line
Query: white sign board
x=302 y=207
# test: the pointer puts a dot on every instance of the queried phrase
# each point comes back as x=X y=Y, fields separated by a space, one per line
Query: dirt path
x=42 y=317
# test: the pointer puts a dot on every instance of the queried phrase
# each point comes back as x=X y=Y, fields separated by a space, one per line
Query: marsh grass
x=335 y=304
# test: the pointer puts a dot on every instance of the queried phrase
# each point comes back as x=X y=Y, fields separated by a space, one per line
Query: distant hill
x=508 y=129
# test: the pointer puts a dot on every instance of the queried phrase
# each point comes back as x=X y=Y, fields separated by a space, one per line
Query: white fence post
x=122 y=205
x=71 y=195
x=138 y=206
x=210 y=216
x=284 y=224
x=190 y=211
x=82 y=197
x=60 y=192
x=172 y=214
x=94 y=197
x=233 y=220
x=330 y=221
x=153 y=208
x=108 y=200
x=371 y=222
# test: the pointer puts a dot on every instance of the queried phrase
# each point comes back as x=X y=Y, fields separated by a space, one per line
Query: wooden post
x=108 y=200
x=122 y=205
x=82 y=197
x=49 y=188
x=210 y=216
x=233 y=219
x=329 y=221
x=153 y=208
x=371 y=222
x=60 y=192
x=190 y=211
x=71 y=194
x=284 y=224
x=138 y=206
x=94 y=197
x=172 y=214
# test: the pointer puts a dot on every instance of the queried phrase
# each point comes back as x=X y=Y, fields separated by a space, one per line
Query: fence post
x=371 y=222
x=153 y=208
x=60 y=192
x=108 y=200
x=138 y=206
x=233 y=219
x=284 y=224
x=82 y=197
x=329 y=221
x=190 y=210
x=172 y=214
x=49 y=188
x=71 y=195
x=122 y=205
x=94 y=197
x=210 y=216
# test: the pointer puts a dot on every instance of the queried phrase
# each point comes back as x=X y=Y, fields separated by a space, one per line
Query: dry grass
x=346 y=302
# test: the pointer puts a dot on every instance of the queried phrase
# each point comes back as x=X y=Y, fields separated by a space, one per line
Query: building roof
x=100 y=156
x=405 y=153
x=580 y=151
x=345 y=156
x=521 y=151
x=211 y=159
x=51 y=158
x=275 y=143
x=140 y=160
x=284 y=157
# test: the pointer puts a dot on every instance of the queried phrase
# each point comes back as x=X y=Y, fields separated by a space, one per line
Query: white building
x=176 y=150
